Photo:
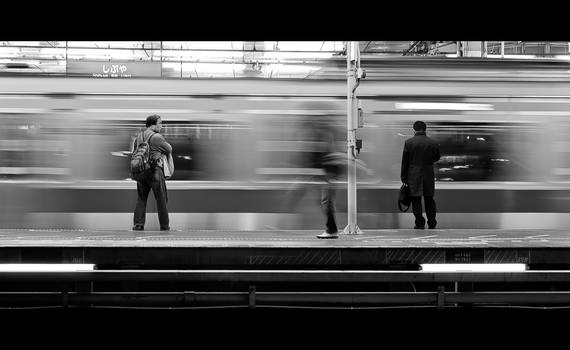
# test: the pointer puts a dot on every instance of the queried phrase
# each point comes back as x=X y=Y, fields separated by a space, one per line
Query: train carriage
x=241 y=144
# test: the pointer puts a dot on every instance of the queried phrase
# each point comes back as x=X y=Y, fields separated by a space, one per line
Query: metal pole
x=502 y=49
x=352 y=64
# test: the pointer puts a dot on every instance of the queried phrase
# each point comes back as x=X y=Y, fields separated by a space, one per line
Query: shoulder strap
x=150 y=137
x=142 y=137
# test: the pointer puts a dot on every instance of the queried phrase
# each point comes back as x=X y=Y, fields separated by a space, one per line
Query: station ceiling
x=237 y=59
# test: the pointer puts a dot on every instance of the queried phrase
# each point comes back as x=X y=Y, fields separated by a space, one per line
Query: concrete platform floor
x=408 y=238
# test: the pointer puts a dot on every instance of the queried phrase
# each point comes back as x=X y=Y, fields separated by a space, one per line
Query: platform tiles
x=284 y=249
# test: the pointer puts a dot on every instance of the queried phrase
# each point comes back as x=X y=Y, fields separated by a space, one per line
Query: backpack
x=140 y=160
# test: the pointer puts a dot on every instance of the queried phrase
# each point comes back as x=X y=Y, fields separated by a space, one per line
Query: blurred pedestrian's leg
x=328 y=207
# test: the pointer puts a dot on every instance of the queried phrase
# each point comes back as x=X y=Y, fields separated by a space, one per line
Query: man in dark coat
x=420 y=152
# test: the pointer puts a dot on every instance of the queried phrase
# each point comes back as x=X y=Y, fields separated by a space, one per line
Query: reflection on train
x=500 y=133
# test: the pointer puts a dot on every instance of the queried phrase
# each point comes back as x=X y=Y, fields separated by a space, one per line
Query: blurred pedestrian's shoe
x=419 y=227
x=431 y=227
x=138 y=228
x=165 y=228
x=326 y=235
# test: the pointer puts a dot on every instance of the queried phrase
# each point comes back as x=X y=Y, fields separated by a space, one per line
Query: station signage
x=115 y=69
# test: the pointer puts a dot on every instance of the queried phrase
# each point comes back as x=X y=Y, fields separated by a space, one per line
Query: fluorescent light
x=46 y=267
x=299 y=56
x=308 y=45
x=520 y=57
x=289 y=69
x=445 y=106
x=473 y=267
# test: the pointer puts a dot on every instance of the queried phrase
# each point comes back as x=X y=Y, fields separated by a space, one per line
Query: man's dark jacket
x=420 y=152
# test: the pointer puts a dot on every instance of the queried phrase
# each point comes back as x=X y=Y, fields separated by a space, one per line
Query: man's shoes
x=326 y=235
x=419 y=227
x=165 y=228
x=138 y=228
x=431 y=227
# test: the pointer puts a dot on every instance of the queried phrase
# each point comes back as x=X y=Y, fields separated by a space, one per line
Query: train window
x=204 y=150
x=486 y=151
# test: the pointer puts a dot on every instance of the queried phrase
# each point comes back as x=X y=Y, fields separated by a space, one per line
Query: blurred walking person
x=331 y=165
x=420 y=152
x=154 y=177
x=319 y=133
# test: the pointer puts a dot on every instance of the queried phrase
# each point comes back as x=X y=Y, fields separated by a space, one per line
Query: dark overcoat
x=420 y=152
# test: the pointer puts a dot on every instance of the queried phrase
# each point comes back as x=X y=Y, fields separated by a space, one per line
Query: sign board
x=114 y=69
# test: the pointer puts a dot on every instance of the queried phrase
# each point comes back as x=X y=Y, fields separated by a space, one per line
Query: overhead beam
x=256 y=276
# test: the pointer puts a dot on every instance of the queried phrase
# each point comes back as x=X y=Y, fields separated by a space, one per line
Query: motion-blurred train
x=243 y=146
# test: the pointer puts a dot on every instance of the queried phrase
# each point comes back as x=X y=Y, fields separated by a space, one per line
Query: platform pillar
x=353 y=65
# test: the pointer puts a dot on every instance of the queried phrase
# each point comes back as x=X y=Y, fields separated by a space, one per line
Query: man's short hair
x=152 y=120
x=420 y=126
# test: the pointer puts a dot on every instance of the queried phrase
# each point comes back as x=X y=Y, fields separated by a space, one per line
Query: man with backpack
x=147 y=165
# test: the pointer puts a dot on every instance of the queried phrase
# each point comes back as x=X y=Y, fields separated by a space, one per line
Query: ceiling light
x=46 y=267
x=473 y=267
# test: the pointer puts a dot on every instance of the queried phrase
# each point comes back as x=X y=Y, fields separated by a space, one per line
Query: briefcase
x=404 y=198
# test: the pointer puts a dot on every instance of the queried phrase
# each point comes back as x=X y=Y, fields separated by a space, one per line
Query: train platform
x=280 y=249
